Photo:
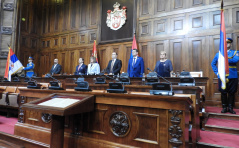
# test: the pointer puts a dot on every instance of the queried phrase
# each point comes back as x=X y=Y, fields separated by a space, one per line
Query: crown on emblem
x=116 y=5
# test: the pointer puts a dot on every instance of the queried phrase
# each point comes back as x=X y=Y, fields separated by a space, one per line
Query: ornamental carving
x=120 y=124
x=175 y=131
x=116 y=18
x=8 y=6
x=21 y=111
x=6 y=30
x=3 y=54
x=46 y=118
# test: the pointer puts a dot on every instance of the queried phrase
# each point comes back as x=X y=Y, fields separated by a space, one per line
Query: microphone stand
x=113 y=79
x=163 y=79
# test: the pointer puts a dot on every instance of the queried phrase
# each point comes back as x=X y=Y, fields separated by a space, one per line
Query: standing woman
x=164 y=66
x=93 y=67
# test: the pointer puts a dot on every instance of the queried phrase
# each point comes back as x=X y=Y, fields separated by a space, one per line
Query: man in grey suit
x=114 y=65
x=56 y=68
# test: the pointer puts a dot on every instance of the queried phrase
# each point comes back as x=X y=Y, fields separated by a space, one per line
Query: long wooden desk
x=119 y=120
x=68 y=80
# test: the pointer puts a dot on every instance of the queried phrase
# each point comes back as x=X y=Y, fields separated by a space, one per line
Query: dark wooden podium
x=61 y=105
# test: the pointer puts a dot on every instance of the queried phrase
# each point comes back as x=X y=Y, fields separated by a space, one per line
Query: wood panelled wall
x=188 y=30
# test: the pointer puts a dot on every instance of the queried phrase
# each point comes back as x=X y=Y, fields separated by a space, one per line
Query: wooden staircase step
x=215 y=112
x=211 y=139
x=222 y=125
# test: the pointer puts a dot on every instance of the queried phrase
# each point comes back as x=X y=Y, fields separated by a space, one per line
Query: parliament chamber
x=71 y=109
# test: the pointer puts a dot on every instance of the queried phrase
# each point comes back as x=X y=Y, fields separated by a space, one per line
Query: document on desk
x=59 y=102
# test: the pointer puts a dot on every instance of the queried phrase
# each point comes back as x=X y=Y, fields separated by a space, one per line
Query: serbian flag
x=134 y=46
x=94 y=52
x=12 y=65
x=223 y=67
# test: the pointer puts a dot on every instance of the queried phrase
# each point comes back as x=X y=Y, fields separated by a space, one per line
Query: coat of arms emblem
x=116 y=19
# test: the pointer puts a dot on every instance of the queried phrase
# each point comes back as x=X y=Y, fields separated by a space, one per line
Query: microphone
x=113 y=86
x=171 y=86
x=54 y=78
x=55 y=85
x=32 y=83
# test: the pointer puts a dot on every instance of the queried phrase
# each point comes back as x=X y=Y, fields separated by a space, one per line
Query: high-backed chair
x=12 y=97
x=3 y=99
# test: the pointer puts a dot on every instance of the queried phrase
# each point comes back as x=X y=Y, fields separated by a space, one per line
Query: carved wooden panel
x=235 y=15
x=159 y=47
x=145 y=29
x=93 y=11
x=160 y=5
x=160 y=26
x=144 y=55
x=83 y=13
x=57 y=17
x=177 y=4
x=92 y=37
x=125 y=63
x=178 y=24
x=101 y=58
x=196 y=48
x=33 y=43
x=24 y=20
x=73 y=13
x=63 y=62
x=197 y=22
x=96 y=121
x=65 y=14
x=197 y=2
x=72 y=62
x=144 y=133
x=145 y=7
x=177 y=61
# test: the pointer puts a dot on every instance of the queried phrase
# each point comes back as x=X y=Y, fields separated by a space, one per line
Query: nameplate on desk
x=59 y=102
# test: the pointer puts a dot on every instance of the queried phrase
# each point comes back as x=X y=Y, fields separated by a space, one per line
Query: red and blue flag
x=12 y=65
x=223 y=66
x=134 y=46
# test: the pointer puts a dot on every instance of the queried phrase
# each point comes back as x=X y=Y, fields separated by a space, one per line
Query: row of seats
x=9 y=101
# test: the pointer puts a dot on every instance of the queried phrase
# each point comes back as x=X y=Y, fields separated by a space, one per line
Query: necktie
x=112 y=65
x=134 y=61
x=79 y=67
x=54 y=66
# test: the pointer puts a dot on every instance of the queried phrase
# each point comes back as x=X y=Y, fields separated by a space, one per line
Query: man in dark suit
x=56 y=68
x=81 y=68
x=114 y=65
x=135 y=65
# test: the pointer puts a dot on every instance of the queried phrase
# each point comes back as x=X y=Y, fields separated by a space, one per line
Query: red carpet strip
x=7 y=124
x=211 y=109
x=222 y=139
x=223 y=123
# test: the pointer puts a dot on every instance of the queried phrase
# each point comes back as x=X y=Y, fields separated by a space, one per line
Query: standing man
x=135 y=65
x=81 y=68
x=228 y=94
x=30 y=67
x=114 y=65
x=56 y=68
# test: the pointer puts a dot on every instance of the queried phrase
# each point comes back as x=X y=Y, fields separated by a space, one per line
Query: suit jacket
x=56 y=70
x=82 y=70
x=94 y=69
x=138 y=69
x=116 y=68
